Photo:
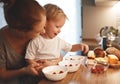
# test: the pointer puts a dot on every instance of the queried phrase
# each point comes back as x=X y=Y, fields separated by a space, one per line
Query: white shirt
x=41 y=48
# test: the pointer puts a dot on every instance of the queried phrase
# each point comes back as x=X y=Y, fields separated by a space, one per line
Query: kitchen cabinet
x=105 y=2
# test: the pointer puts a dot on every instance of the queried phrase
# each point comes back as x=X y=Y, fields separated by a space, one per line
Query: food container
x=99 y=67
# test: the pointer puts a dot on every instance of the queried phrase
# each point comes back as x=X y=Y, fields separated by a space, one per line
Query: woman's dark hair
x=22 y=14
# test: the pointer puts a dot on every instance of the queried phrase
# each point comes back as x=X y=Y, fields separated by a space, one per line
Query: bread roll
x=91 y=54
x=101 y=60
x=113 y=59
x=114 y=51
x=99 y=52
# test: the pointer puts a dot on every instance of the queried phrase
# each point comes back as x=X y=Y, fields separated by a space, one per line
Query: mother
x=26 y=20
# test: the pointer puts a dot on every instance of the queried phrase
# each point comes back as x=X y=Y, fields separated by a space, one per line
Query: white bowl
x=71 y=65
x=81 y=59
x=55 y=72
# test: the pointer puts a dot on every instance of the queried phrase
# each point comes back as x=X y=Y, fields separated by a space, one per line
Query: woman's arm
x=9 y=74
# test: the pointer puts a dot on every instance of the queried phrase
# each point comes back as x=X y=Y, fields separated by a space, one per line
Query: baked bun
x=113 y=59
x=91 y=54
x=101 y=60
x=99 y=52
x=113 y=50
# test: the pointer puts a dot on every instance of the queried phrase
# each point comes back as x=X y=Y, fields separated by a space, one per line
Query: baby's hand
x=40 y=64
x=40 y=61
x=84 y=48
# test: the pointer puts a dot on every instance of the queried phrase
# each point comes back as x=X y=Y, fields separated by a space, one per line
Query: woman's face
x=38 y=28
x=53 y=27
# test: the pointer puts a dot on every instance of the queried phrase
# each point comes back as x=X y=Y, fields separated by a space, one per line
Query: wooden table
x=83 y=76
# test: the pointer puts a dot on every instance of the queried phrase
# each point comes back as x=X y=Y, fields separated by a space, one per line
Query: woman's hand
x=33 y=69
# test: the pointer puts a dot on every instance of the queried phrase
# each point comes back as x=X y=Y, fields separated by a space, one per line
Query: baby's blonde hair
x=53 y=11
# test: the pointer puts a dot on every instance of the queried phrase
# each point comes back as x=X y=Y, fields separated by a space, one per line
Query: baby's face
x=53 y=27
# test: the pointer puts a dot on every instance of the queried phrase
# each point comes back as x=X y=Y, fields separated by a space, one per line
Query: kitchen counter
x=84 y=76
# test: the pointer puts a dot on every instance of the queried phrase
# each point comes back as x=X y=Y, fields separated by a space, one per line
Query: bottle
x=104 y=43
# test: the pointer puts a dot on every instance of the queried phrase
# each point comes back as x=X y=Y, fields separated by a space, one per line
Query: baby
x=48 y=46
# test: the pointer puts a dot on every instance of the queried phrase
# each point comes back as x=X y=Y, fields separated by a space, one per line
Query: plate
x=115 y=66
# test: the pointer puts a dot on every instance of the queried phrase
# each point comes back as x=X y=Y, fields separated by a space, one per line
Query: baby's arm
x=59 y=59
x=53 y=62
x=83 y=47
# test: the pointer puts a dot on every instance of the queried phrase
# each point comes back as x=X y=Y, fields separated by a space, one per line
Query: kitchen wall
x=96 y=17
